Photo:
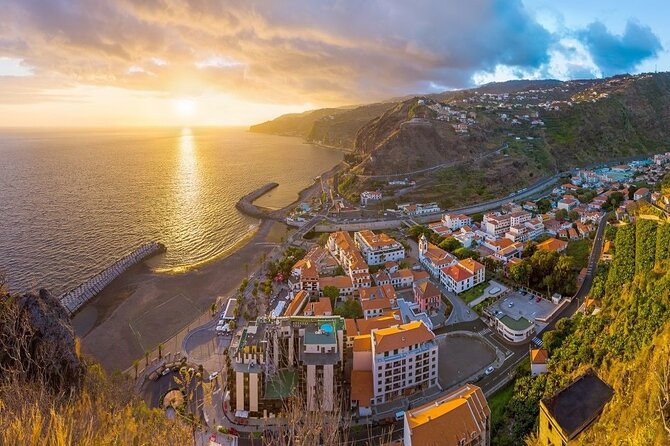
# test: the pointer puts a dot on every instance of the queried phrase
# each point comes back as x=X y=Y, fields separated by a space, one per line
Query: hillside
x=334 y=127
x=626 y=343
x=508 y=134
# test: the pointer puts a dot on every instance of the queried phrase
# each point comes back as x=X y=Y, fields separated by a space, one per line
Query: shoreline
x=143 y=308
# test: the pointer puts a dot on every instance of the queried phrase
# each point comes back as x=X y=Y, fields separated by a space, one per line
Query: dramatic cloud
x=616 y=54
x=295 y=51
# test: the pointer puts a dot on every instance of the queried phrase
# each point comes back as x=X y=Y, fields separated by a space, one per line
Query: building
x=462 y=276
x=415 y=209
x=322 y=307
x=461 y=418
x=514 y=330
x=641 y=193
x=538 y=361
x=404 y=360
x=297 y=303
x=552 y=244
x=378 y=249
x=568 y=203
x=569 y=412
x=359 y=327
x=427 y=296
x=344 y=250
x=456 y=221
x=377 y=300
x=433 y=257
x=342 y=283
x=304 y=277
x=496 y=224
x=370 y=196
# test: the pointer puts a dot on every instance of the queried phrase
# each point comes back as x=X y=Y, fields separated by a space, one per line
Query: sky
x=218 y=62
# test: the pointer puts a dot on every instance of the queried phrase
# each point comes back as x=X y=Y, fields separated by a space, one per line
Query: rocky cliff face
x=38 y=340
x=408 y=138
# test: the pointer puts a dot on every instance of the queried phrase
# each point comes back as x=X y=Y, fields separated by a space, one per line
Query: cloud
x=616 y=54
x=293 y=51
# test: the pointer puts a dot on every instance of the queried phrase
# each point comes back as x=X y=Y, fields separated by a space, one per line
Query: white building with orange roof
x=539 y=359
x=456 y=221
x=304 y=276
x=377 y=300
x=462 y=276
x=378 y=249
x=404 y=359
x=433 y=257
x=342 y=283
x=460 y=418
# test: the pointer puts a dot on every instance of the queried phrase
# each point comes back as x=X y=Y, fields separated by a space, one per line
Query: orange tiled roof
x=361 y=387
x=322 y=307
x=337 y=281
x=451 y=418
x=552 y=244
x=399 y=336
x=363 y=343
x=539 y=356
x=457 y=273
x=298 y=300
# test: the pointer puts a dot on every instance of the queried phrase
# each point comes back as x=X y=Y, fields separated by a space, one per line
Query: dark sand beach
x=142 y=308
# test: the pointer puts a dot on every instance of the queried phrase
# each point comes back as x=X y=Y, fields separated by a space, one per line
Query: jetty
x=75 y=298
x=246 y=204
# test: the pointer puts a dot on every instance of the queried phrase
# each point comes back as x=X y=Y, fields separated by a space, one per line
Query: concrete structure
x=461 y=418
x=434 y=258
x=514 y=330
x=404 y=360
x=456 y=221
x=569 y=412
x=378 y=249
x=370 y=196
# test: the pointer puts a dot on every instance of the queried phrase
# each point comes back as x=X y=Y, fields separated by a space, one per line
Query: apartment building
x=378 y=249
x=462 y=276
x=304 y=277
x=498 y=224
x=343 y=248
x=404 y=357
x=456 y=221
x=461 y=418
x=274 y=359
x=434 y=258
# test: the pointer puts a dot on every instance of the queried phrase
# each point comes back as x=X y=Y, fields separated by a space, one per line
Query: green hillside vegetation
x=626 y=343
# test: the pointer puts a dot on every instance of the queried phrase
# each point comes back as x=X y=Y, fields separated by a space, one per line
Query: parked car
x=538 y=299
x=213 y=375
x=511 y=304
x=489 y=370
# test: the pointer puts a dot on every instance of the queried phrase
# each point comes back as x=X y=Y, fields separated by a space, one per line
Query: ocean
x=74 y=201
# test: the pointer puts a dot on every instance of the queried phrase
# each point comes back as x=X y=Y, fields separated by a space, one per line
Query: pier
x=75 y=298
x=246 y=204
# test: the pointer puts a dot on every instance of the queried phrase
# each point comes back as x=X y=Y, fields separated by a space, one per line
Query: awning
x=242 y=414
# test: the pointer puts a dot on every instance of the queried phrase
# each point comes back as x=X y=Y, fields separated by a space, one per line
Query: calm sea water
x=72 y=202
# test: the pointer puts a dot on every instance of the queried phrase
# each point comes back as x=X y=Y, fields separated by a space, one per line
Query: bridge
x=75 y=298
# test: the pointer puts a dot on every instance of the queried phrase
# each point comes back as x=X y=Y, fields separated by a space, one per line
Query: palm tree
x=136 y=364
x=146 y=358
x=212 y=308
x=160 y=351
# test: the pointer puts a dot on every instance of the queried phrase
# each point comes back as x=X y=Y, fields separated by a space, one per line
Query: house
x=459 y=418
x=462 y=276
x=415 y=209
x=342 y=283
x=408 y=353
x=322 y=307
x=456 y=221
x=427 y=296
x=434 y=258
x=377 y=300
x=297 y=303
x=402 y=278
x=641 y=193
x=378 y=248
x=304 y=277
x=552 y=244
x=538 y=361
x=369 y=196
x=568 y=203
x=569 y=412
x=572 y=234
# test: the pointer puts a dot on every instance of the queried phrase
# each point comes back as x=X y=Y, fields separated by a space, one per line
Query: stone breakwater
x=246 y=206
x=75 y=298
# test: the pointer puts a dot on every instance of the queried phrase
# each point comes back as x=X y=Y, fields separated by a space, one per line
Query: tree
x=520 y=273
x=450 y=244
x=146 y=358
x=492 y=265
x=212 y=309
x=543 y=206
x=136 y=364
x=466 y=253
x=477 y=217
x=631 y=191
x=561 y=214
x=350 y=309
x=339 y=271
x=160 y=351
x=529 y=249
x=573 y=216
x=332 y=293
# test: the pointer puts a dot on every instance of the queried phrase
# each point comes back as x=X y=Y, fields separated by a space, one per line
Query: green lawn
x=499 y=401
x=579 y=250
x=473 y=293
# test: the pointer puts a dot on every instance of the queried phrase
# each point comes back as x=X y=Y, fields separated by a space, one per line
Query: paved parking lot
x=517 y=305
x=462 y=356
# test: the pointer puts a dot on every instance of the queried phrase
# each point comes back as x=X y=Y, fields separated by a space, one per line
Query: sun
x=184 y=107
